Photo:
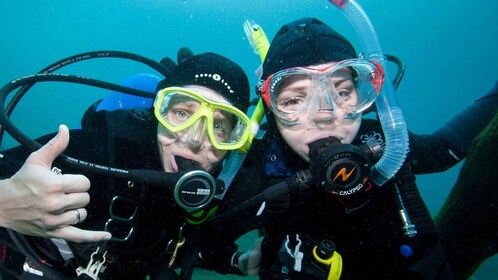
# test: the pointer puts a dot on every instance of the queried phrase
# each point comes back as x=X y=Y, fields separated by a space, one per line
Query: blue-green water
x=449 y=48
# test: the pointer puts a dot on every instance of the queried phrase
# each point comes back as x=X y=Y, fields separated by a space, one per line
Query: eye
x=176 y=116
x=181 y=115
x=221 y=131
x=290 y=102
x=346 y=89
x=345 y=94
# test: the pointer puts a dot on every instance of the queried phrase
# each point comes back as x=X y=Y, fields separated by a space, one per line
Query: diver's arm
x=449 y=144
x=430 y=154
x=467 y=220
x=35 y=201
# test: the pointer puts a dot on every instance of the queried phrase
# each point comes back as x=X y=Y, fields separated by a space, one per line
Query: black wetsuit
x=126 y=140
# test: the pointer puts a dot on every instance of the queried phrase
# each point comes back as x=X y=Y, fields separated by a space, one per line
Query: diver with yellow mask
x=146 y=178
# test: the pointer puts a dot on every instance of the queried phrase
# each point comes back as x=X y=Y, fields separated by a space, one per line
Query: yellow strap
x=335 y=264
x=335 y=267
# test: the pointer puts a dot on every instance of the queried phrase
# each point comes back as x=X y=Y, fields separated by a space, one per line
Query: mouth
x=181 y=164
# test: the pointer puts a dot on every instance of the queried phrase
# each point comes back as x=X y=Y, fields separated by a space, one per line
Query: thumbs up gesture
x=35 y=201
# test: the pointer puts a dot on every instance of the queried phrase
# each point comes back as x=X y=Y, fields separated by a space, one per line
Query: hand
x=250 y=261
x=35 y=201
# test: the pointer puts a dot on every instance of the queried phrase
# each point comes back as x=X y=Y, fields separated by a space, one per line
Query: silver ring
x=78 y=216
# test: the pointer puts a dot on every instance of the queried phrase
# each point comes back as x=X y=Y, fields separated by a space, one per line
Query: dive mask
x=180 y=109
x=350 y=85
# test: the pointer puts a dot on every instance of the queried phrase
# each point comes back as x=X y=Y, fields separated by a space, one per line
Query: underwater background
x=449 y=48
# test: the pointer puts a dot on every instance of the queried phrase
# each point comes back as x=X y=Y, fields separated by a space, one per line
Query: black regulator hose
x=148 y=177
x=159 y=67
x=300 y=181
x=401 y=69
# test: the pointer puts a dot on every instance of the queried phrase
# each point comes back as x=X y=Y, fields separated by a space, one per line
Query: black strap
x=191 y=252
x=429 y=260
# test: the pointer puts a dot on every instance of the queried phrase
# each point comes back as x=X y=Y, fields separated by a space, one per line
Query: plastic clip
x=297 y=255
x=94 y=266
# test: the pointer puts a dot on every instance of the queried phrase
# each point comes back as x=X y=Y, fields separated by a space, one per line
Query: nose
x=322 y=117
x=321 y=107
x=196 y=134
x=321 y=99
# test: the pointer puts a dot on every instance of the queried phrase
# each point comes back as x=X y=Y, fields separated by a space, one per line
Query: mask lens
x=290 y=91
x=355 y=85
x=177 y=108
x=228 y=127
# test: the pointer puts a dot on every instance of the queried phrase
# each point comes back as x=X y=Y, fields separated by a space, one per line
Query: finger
x=73 y=183
x=73 y=201
x=75 y=234
x=48 y=152
x=73 y=216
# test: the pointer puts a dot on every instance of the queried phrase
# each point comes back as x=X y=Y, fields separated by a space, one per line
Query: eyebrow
x=297 y=88
x=342 y=80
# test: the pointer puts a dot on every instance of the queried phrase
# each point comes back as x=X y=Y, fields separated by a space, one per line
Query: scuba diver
x=325 y=212
x=146 y=176
x=467 y=220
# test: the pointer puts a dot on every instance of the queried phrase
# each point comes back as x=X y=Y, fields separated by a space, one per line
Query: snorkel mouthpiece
x=319 y=145
x=185 y=164
x=389 y=112
x=196 y=188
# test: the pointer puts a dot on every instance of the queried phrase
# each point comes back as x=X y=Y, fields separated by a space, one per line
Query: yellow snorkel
x=260 y=44
x=257 y=38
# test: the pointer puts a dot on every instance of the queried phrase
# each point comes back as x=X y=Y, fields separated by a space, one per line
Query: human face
x=367 y=77
x=321 y=118
x=191 y=143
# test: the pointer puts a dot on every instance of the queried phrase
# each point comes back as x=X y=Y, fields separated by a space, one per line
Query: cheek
x=212 y=159
x=294 y=138
x=351 y=131
x=218 y=155
x=165 y=137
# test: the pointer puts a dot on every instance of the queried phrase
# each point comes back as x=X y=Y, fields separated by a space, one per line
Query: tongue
x=185 y=164
x=321 y=144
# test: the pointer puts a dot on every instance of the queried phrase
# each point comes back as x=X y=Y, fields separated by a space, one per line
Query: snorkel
x=260 y=45
x=390 y=116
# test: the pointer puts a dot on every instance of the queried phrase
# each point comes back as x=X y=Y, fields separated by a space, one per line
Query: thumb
x=49 y=152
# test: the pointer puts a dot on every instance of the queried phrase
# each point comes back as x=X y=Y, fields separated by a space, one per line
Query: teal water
x=449 y=48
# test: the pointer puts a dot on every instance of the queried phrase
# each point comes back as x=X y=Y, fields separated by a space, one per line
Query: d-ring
x=78 y=216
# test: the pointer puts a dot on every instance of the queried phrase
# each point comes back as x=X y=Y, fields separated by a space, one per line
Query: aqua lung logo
x=217 y=78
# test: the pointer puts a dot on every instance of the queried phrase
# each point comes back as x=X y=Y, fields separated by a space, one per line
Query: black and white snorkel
x=388 y=110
